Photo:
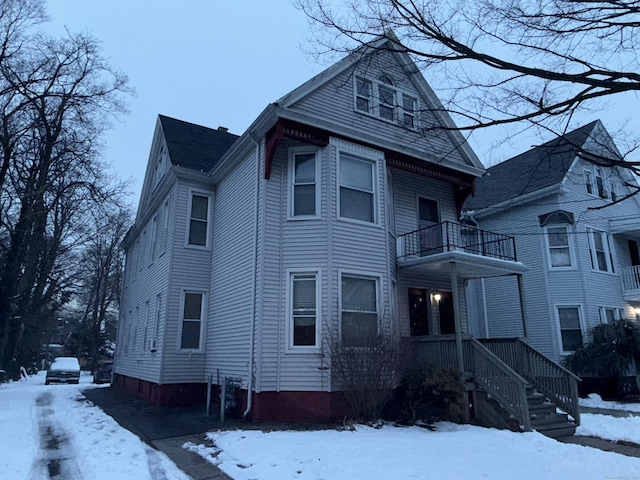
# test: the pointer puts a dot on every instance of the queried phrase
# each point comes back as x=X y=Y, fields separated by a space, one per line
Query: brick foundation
x=169 y=395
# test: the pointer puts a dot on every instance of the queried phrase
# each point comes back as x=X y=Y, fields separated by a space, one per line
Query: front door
x=419 y=311
x=445 y=312
x=428 y=224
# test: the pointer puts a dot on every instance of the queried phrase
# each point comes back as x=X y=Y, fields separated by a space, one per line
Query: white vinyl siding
x=191 y=320
x=359 y=308
x=198 y=220
x=357 y=177
x=304 y=187
x=570 y=327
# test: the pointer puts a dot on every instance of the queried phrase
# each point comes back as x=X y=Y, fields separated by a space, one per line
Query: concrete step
x=549 y=419
x=557 y=430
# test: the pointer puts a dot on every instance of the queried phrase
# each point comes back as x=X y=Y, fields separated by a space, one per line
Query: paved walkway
x=165 y=429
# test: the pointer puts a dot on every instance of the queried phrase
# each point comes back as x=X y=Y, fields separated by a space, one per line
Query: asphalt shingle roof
x=538 y=168
x=194 y=146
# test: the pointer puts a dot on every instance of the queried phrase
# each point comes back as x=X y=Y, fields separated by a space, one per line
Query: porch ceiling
x=467 y=265
x=629 y=225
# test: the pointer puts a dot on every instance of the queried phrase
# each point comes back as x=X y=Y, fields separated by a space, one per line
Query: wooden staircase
x=514 y=386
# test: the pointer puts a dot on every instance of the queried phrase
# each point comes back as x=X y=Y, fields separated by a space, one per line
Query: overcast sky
x=217 y=63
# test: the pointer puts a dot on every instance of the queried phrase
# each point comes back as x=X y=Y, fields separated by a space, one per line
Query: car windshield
x=65 y=363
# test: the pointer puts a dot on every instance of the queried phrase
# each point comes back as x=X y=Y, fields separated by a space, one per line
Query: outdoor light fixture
x=437 y=297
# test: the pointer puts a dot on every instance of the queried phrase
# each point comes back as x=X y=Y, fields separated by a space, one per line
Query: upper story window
x=381 y=98
x=600 y=250
x=599 y=184
x=612 y=191
x=160 y=165
x=559 y=244
x=304 y=186
x=199 y=219
x=357 y=188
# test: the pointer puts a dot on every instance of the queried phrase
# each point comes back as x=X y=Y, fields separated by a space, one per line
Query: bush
x=431 y=393
x=613 y=352
x=367 y=373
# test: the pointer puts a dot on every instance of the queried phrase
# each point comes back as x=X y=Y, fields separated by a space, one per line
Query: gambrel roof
x=534 y=170
x=194 y=146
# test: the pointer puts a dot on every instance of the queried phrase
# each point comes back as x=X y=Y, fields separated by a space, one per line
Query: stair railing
x=501 y=382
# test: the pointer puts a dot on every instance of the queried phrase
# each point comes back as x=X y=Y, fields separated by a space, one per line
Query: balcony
x=478 y=253
x=631 y=283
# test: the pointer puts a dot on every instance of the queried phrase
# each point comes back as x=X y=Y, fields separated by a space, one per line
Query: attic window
x=160 y=166
x=380 y=98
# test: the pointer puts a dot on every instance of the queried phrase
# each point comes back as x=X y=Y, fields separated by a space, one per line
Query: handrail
x=449 y=236
x=553 y=380
x=630 y=277
x=502 y=382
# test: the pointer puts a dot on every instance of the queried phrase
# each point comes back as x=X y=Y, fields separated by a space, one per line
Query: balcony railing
x=630 y=278
x=449 y=237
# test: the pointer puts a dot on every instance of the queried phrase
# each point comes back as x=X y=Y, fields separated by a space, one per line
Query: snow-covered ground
x=49 y=432
x=44 y=428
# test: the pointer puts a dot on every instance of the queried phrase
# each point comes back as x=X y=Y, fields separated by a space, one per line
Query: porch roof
x=468 y=265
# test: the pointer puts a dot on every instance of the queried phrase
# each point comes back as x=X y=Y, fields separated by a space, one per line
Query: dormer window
x=381 y=98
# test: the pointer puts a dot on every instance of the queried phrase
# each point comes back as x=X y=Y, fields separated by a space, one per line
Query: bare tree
x=57 y=97
x=522 y=63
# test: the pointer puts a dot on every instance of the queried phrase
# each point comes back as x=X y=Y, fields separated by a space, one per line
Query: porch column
x=523 y=309
x=456 y=315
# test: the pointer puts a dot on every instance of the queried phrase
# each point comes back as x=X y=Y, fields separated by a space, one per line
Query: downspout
x=252 y=333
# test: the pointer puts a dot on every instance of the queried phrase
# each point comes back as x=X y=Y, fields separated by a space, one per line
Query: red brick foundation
x=313 y=407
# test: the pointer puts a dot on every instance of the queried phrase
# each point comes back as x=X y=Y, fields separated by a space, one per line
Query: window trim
x=602 y=317
x=192 y=194
x=377 y=278
x=203 y=309
x=582 y=325
x=373 y=162
x=374 y=101
x=293 y=152
x=290 y=275
x=572 y=259
x=609 y=252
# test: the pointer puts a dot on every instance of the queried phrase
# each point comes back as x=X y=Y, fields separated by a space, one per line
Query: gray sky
x=220 y=63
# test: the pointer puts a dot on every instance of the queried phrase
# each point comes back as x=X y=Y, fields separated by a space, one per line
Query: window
x=559 y=246
x=600 y=184
x=160 y=166
x=364 y=95
x=165 y=226
x=359 y=309
x=612 y=191
x=588 y=180
x=303 y=173
x=191 y=321
x=304 y=310
x=155 y=235
x=600 y=251
x=570 y=328
x=198 y=220
x=147 y=326
x=156 y=326
x=357 y=180
x=610 y=314
x=380 y=98
x=409 y=111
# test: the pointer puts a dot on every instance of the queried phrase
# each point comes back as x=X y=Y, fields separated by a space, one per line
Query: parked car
x=63 y=370
x=103 y=373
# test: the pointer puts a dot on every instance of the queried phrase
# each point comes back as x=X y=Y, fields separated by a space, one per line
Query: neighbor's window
x=304 y=310
x=600 y=251
x=198 y=220
x=304 y=184
x=559 y=246
x=359 y=309
x=610 y=314
x=570 y=328
x=191 y=320
x=364 y=95
x=357 y=191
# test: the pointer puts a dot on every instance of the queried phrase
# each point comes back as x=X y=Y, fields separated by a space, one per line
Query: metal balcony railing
x=450 y=236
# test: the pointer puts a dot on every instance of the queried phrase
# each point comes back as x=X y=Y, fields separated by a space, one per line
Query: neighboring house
x=575 y=231
x=334 y=216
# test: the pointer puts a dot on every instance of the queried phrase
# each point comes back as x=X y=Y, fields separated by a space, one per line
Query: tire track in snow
x=56 y=459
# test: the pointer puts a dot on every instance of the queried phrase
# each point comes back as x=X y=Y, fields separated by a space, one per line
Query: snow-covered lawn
x=47 y=429
x=90 y=445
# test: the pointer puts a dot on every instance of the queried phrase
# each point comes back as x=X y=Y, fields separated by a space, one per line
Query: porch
x=630 y=283
x=526 y=384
